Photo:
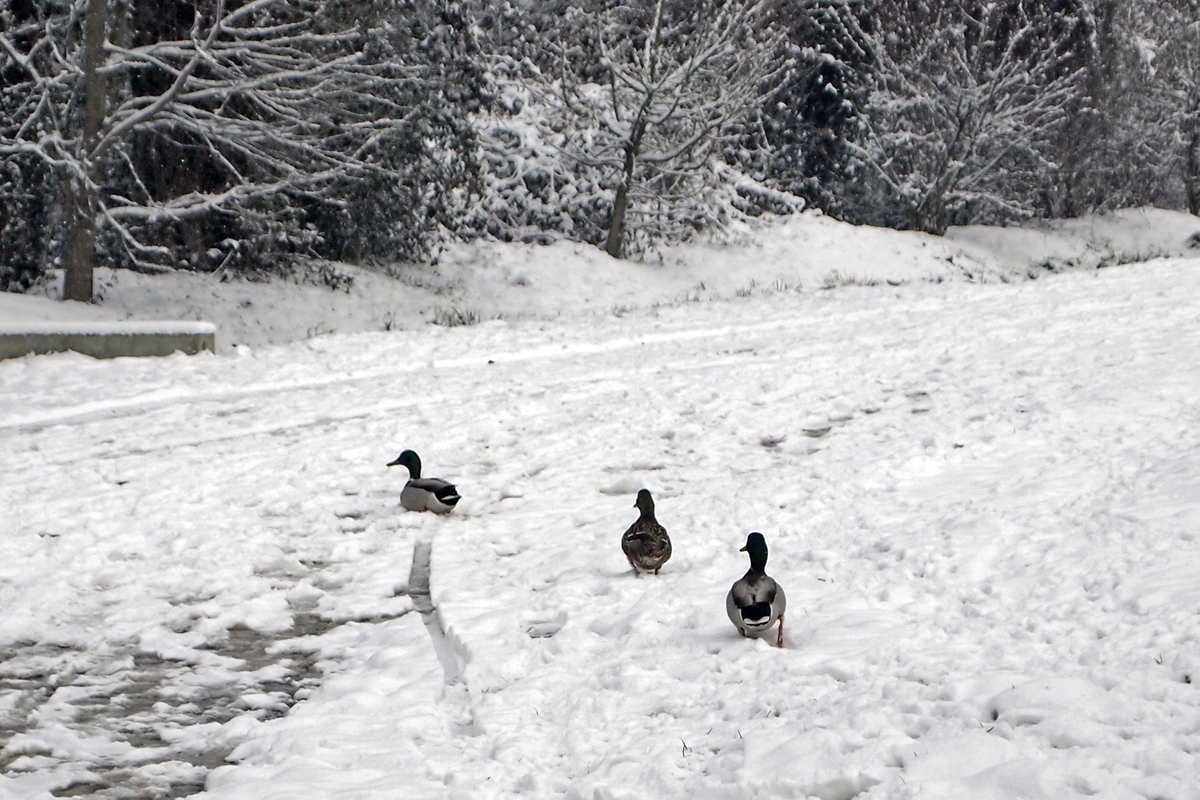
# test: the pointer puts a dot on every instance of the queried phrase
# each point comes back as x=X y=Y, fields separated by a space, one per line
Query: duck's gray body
x=646 y=543
x=755 y=601
x=429 y=494
x=424 y=494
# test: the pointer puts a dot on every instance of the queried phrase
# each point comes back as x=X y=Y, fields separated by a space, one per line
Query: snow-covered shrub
x=1162 y=92
x=527 y=189
x=623 y=125
x=919 y=114
x=964 y=99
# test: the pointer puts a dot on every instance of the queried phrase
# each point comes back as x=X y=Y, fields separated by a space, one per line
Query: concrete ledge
x=106 y=339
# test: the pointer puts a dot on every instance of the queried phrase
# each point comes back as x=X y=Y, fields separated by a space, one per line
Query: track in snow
x=448 y=657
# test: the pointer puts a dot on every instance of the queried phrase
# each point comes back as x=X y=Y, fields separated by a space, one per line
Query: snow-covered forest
x=240 y=134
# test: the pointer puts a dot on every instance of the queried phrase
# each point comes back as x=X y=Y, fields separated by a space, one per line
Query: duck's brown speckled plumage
x=646 y=543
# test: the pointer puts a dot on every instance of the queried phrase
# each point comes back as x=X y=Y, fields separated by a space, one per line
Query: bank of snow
x=485 y=280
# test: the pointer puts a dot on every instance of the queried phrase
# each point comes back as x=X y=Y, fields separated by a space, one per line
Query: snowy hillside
x=486 y=281
x=983 y=500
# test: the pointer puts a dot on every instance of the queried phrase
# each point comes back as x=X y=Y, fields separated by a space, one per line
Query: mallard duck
x=646 y=543
x=424 y=494
x=755 y=600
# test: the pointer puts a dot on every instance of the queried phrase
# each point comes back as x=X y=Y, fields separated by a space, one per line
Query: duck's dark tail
x=448 y=495
x=757 y=615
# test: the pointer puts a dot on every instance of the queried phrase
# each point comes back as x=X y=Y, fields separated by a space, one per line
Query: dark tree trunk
x=930 y=214
x=80 y=245
x=81 y=206
x=616 y=228
x=1193 y=172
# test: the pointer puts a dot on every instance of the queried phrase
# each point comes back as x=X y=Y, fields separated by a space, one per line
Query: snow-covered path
x=984 y=502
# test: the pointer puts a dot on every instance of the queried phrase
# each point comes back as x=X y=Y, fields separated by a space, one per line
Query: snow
x=31 y=307
x=983 y=499
x=485 y=281
x=1130 y=235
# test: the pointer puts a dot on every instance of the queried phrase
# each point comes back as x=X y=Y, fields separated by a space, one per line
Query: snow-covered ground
x=983 y=500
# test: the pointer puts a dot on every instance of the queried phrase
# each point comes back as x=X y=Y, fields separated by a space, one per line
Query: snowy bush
x=962 y=104
x=567 y=82
x=921 y=115
x=527 y=189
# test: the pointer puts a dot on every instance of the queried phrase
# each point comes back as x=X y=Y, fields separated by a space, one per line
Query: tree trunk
x=930 y=215
x=81 y=207
x=1193 y=172
x=81 y=243
x=616 y=228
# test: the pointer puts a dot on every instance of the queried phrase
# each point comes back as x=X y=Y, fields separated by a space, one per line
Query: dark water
x=136 y=709
x=148 y=726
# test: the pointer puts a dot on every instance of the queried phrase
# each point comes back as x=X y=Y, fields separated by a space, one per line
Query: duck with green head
x=424 y=494
x=646 y=543
x=756 y=601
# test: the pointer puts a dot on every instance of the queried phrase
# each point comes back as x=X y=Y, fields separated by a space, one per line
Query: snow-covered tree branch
x=242 y=111
x=1170 y=42
x=963 y=100
x=674 y=81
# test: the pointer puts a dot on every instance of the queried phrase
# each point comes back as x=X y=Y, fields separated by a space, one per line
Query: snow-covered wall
x=107 y=339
